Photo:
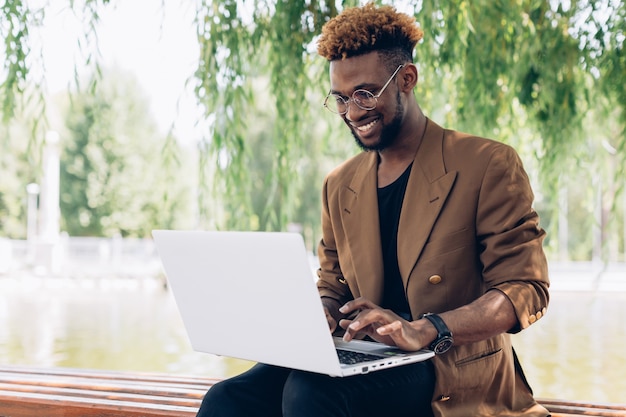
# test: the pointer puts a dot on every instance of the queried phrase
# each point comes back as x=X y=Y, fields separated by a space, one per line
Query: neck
x=402 y=152
x=393 y=161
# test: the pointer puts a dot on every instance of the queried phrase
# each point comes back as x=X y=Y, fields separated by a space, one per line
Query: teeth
x=367 y=127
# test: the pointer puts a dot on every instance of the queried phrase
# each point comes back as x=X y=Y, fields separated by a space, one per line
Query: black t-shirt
x=389 y=207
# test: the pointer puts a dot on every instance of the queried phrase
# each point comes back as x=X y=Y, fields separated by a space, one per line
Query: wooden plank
x=36 y=405
x=105 y=374
x=59 y=392
x=20 y=390
x=64 y=392
x=153 y=388
x=566 y=408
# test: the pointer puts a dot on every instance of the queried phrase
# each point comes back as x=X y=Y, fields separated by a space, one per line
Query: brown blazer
x=467 y=226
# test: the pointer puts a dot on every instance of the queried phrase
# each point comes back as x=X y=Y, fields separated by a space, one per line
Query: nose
x=354 y=112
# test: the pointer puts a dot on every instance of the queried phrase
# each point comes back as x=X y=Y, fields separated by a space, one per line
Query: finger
x=353 y=328
x=344 y=323
x=388 y=329
x=366 y=322
x=350 y=332
x=360 y=303
x=371 y=317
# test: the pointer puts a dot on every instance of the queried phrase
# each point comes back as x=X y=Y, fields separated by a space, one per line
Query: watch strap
x=443 y=332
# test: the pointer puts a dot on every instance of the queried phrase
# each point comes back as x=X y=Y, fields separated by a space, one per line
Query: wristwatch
x=444 y=339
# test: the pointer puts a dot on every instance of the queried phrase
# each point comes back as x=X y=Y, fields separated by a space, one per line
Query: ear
x=409 y=77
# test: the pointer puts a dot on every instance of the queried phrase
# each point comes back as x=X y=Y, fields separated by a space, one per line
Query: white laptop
x=252 y=296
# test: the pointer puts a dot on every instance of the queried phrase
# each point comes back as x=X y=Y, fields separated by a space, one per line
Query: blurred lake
x=576 y=352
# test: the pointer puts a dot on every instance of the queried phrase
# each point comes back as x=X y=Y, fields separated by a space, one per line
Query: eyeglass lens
x=364 y=99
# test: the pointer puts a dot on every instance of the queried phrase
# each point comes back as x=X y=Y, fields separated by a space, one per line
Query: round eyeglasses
x=365 y=100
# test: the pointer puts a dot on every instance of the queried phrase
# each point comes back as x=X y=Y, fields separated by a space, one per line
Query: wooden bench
x=563 y=408
x=59 y=392
x=62 y=392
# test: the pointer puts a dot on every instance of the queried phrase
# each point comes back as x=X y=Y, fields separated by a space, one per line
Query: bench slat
x=146 y=388
x=565 y=408
x=20 y=404
x=70 y=393
x=106 y=374
x=64 y=392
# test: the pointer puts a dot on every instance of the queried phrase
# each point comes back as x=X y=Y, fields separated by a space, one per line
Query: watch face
x=443 y=345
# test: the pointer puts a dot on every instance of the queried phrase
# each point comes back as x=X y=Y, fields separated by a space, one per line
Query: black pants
x=270 y=391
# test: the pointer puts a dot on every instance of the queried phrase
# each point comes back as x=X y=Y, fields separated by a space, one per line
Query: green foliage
x=14 y=177
x=14 y=31
x=113 y=177
x=546 y=77
x=522 y=72
x=234 y=52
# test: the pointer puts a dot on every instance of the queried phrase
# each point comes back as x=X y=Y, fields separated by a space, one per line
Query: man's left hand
x=381 y=325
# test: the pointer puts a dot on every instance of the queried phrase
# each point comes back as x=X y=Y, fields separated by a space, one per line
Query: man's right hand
x=332 y=323
x=331 y=310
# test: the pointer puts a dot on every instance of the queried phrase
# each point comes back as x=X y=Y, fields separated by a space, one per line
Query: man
x=429 y=239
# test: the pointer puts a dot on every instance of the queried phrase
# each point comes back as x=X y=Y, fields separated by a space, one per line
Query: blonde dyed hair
x=360 y=30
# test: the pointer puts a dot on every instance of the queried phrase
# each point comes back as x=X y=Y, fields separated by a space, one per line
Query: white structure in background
x=50 y=212
x=48 y=249
x=32 y=190
x=32 y=219
x=6 y=255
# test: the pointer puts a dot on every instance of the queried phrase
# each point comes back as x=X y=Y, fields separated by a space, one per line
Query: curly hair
x=359 y=30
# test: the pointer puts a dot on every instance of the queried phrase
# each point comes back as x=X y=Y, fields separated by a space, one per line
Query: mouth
x=366 y=127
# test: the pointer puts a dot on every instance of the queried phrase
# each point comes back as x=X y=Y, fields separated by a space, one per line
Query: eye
x=340 y=99
x=362 y=96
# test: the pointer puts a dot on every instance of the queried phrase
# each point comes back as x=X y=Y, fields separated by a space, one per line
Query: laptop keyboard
x=348 y=357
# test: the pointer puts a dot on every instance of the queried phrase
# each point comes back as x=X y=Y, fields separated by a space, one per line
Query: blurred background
x=122 y=117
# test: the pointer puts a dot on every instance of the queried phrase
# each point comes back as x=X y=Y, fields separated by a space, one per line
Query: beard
x=389 y=131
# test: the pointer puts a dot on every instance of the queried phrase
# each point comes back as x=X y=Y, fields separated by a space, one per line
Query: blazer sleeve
x=510 y=236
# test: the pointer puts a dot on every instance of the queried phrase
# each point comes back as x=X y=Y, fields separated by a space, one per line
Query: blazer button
x=434 y=279
x=342 y=280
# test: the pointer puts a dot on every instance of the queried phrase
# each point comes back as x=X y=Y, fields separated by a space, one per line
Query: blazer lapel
x=427 y=191
x=359 y=207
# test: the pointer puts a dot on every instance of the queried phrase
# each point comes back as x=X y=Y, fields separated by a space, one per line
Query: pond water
x=576 y=352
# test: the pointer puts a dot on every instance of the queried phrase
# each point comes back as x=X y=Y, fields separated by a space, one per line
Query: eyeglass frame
x=351 y=98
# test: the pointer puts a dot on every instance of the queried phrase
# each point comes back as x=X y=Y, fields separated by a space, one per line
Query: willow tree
x=544 y=76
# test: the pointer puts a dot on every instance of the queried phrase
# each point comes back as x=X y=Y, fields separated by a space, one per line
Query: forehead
x=358 y=71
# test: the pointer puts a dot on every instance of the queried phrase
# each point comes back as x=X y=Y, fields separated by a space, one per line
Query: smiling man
x=429 y=240
x=383 y=133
